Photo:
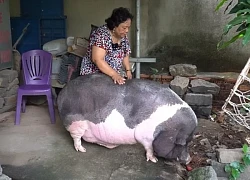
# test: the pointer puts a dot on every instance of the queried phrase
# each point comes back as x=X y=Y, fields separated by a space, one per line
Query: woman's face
x=123 y=28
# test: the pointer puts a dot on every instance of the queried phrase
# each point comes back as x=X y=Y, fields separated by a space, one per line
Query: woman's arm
x=126 y=65
x=98 y=55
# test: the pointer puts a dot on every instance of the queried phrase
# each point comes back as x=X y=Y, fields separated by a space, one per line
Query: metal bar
x=139 y=60
x=138 y=68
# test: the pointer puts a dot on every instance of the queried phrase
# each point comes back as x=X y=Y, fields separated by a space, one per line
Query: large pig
x=95 y=109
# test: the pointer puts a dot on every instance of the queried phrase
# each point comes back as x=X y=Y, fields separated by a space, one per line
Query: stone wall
x=198 y=93
x=9 y=84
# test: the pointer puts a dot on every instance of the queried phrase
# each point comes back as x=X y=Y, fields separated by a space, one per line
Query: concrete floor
x=38 y=150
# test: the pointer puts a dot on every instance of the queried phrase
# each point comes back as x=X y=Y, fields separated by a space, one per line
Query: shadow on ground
x=38 y=150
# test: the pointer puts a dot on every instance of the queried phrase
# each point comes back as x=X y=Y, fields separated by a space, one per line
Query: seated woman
x=109 y=47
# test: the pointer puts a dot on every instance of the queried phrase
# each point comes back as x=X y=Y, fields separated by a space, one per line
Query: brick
x=204 y=87
x=202 y=111
x=185 y=70
x=7 y=108
x=2 y=92
x=13 y=83
x=1 y=102
x=4 y=82
x=12 y=91
x=10 y=75
x=179 y=85
x=229 y=155
x=198 y=99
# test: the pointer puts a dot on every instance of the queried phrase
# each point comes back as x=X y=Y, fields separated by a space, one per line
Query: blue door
x=31 y=39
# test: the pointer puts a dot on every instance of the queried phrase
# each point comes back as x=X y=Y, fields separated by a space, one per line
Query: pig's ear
x=183 y=138
x=164 y=143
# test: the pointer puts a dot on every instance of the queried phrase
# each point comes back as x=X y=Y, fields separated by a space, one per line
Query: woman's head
x=120 y=21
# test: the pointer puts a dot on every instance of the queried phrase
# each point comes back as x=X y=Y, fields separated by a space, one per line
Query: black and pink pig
x=96 y=110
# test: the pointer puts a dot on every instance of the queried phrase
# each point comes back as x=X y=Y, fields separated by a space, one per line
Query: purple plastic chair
x=37 y=65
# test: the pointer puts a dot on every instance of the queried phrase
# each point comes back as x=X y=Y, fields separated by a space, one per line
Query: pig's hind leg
x=77 y=129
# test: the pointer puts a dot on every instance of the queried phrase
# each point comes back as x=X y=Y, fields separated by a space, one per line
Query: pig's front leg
x=144 y=136
x=147 y=144
x=150 y=152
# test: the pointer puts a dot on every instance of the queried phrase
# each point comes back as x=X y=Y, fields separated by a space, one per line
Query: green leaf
x=222 y=45
x=242 y=168
x=235 y=165
x=246 y=37
x=245 y=4
x=246 y=159
x=228 y=168
x=231 y=178
x=154 y=70
x=245 y=148
x=235 y=173
x=243 y=111
x=242 y=27
x=236 y=8
x=220 y=4
x=237 y=20
x=243 y=11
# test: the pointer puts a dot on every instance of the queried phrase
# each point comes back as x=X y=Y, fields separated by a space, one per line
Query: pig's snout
x=185 y=159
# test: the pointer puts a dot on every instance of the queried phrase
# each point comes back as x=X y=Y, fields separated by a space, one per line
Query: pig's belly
x=112 y=131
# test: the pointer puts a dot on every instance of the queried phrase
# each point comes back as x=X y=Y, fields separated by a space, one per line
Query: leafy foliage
x=235 y=168
x=241 y=20
x=156 y=72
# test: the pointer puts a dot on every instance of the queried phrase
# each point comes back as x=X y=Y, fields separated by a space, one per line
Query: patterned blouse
x=115 y=53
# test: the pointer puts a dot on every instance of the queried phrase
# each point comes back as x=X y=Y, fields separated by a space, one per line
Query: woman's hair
x=118 y=16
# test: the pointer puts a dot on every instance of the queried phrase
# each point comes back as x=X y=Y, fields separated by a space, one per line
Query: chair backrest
x=37 y=65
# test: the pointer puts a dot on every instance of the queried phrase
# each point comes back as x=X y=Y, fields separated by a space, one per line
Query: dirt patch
x=211 y=135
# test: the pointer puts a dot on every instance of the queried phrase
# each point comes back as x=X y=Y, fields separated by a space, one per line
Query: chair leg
x=54 y=96
x=24 y=100
x=51 y=108
x=18 y=109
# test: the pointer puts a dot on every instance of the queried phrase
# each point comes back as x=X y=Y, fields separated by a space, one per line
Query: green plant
x=241 y=20
x=245 y=108
x=235 y=168
x=156 y=72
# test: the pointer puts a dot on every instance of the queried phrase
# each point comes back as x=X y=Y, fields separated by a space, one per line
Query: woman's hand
x=129 y=74
x=118 y=79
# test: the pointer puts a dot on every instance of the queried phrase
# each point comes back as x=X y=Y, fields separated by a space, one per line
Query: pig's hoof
x=152 y=158
x=80 y=148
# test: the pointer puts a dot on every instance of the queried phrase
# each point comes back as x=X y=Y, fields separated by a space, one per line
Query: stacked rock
x=198 y=93
x=9 y=84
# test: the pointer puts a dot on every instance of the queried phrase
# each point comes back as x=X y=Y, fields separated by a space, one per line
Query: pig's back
x=94 y=97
